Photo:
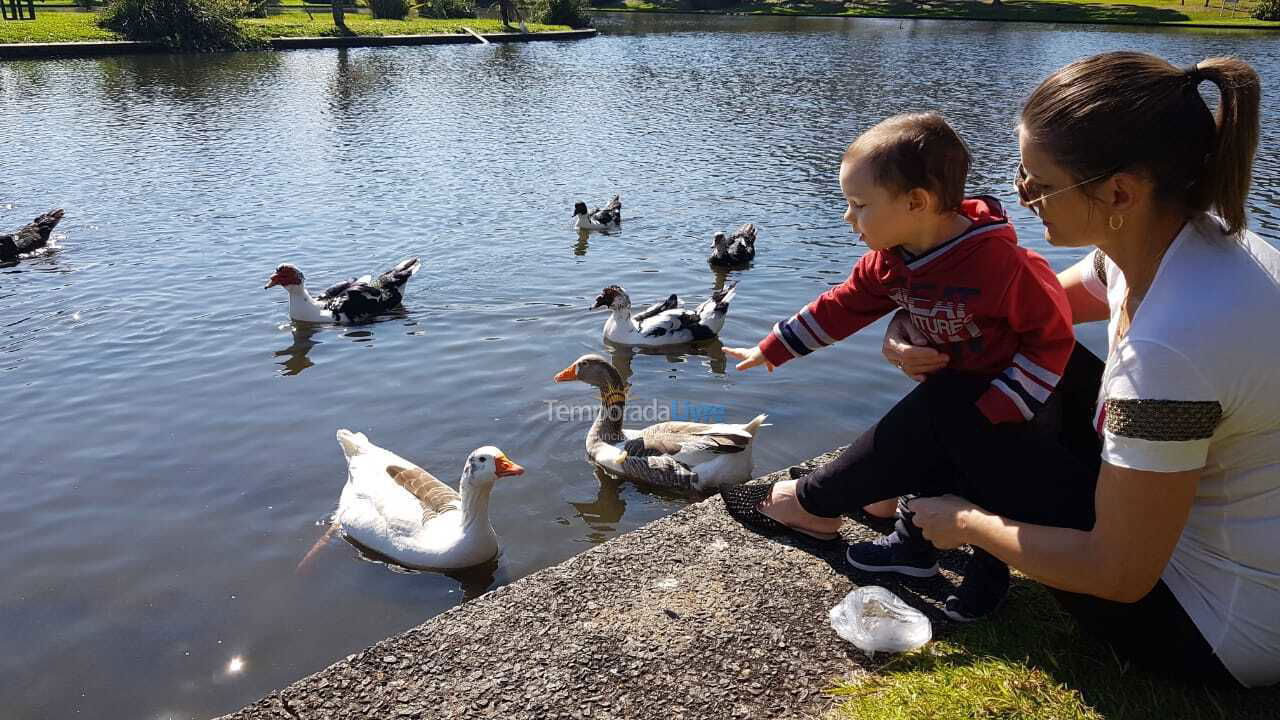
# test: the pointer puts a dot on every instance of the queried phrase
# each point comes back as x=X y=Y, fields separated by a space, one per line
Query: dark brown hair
x=1135 y=112
x=916 y=150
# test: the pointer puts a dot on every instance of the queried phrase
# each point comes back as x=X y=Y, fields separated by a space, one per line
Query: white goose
x=400 y=510
x=354 y=300
x=665 y=323
x=683 y=456
x=608 y=219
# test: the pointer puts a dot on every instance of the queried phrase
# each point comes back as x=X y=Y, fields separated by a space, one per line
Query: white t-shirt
x=1195 y=383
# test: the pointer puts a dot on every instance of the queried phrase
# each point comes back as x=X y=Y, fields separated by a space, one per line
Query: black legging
x=935 y=441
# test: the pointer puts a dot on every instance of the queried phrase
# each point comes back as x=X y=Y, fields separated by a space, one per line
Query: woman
x=1180 y=570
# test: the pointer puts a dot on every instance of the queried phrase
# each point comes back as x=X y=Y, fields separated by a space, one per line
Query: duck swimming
x=400 y=510
x=665 y=323
x=354 y=300
x=608 y=219
x=685 y=456
x=736 y=249
x=32 y=236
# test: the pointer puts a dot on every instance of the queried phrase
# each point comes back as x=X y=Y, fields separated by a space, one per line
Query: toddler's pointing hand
x=750 y=357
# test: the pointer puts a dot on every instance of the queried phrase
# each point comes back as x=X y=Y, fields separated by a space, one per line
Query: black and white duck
x=665 y=323
x=736 y=249
x=607 y=219
x=31 y=237
x=683 y=456
x=354 y=300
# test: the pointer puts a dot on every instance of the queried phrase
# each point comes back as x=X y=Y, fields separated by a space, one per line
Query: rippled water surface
x=168 y=451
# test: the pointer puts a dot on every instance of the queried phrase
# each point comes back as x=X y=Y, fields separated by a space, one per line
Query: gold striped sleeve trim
x=1163 y=420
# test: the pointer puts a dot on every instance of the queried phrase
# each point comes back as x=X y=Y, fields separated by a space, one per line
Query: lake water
x=169 y=453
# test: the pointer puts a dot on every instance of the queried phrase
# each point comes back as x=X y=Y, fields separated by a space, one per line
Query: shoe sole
x=958 y=617
x=908 y=570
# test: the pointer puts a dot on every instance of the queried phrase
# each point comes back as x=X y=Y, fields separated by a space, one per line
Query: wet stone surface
x=691 y=616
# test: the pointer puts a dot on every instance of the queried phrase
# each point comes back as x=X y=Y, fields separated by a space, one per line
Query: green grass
x=79 y=27
x=51 y=27
x=1145 y=12
x=1029 y=663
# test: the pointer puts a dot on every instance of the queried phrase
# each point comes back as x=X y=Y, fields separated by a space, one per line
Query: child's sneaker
x=897 y=553
x=985 y=583
x=903 y=551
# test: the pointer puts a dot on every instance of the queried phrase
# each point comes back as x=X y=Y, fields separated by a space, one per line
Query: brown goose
x=402 y=511
x=675 y=455
x=32 y=236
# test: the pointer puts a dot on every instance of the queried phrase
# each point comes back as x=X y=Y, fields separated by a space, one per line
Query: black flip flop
x=742 y=502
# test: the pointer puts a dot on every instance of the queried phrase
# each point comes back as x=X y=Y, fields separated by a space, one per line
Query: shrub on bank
x=200 y=25
x=569 y=12
x=389 y=9
x=447 y=9
x=1267 y=10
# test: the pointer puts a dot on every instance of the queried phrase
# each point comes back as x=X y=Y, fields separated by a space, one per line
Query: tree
x=339 y=18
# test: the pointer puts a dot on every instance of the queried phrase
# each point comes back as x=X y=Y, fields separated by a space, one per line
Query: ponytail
x=1225 y=182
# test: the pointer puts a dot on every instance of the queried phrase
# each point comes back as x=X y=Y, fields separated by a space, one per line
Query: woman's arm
x=1140 y=516
x=1084 y=306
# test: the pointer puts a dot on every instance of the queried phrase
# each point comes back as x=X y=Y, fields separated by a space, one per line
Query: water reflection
x=474 y=580
x=713 y=349
x=295 y=356
x=580 y=247
x=602 y=514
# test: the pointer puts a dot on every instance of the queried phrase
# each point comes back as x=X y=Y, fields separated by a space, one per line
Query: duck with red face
x=354 y=300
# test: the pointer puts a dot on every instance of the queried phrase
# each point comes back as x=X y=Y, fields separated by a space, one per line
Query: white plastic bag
x=876 y=620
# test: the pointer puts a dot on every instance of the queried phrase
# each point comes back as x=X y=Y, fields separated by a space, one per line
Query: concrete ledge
x=691 y=616
x=13 y=51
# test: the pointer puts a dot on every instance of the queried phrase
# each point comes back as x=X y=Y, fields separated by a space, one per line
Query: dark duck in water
x=736 y=249
x=608 y=219
x=33 y=236
x=354 y=300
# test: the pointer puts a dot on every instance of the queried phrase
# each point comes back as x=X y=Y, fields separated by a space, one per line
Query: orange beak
x=503 y=466
x=274 y=281
x=567 y=374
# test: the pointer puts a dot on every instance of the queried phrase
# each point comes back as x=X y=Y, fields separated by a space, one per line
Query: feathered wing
x=400 y=274
x=337 y=289
x=672 y=302
x=691 y=443
x=656 y=470
x=610 y=214
x=434 y=496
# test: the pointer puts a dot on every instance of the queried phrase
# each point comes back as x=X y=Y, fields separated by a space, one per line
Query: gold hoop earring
x=1111 y=222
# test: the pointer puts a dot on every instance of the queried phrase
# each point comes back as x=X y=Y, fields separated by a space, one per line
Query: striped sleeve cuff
x=798 y=335
x=1159 y=435
x=1017 y=394
x=1093 y=273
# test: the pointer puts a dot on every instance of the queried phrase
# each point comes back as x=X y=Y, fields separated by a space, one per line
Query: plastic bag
x=876 y=620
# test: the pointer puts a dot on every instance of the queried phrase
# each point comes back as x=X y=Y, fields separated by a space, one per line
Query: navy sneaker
x=896 y=552
x=985 y=583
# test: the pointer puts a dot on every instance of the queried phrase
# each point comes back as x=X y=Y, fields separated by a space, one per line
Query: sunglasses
x=1034 y=201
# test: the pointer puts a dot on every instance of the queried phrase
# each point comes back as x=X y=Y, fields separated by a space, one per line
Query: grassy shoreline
x=70 y=27
x=1132 y=12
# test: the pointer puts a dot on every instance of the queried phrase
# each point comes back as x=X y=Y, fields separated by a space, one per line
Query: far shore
x=1131 y=12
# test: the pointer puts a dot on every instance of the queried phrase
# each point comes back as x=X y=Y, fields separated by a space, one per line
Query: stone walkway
x=691 y=616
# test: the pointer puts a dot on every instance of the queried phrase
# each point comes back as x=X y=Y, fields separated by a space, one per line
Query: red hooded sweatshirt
x=996 y=309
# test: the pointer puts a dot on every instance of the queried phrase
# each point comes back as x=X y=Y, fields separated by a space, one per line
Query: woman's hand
x=908 y=349
x=750 y=357
x=943 y=519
